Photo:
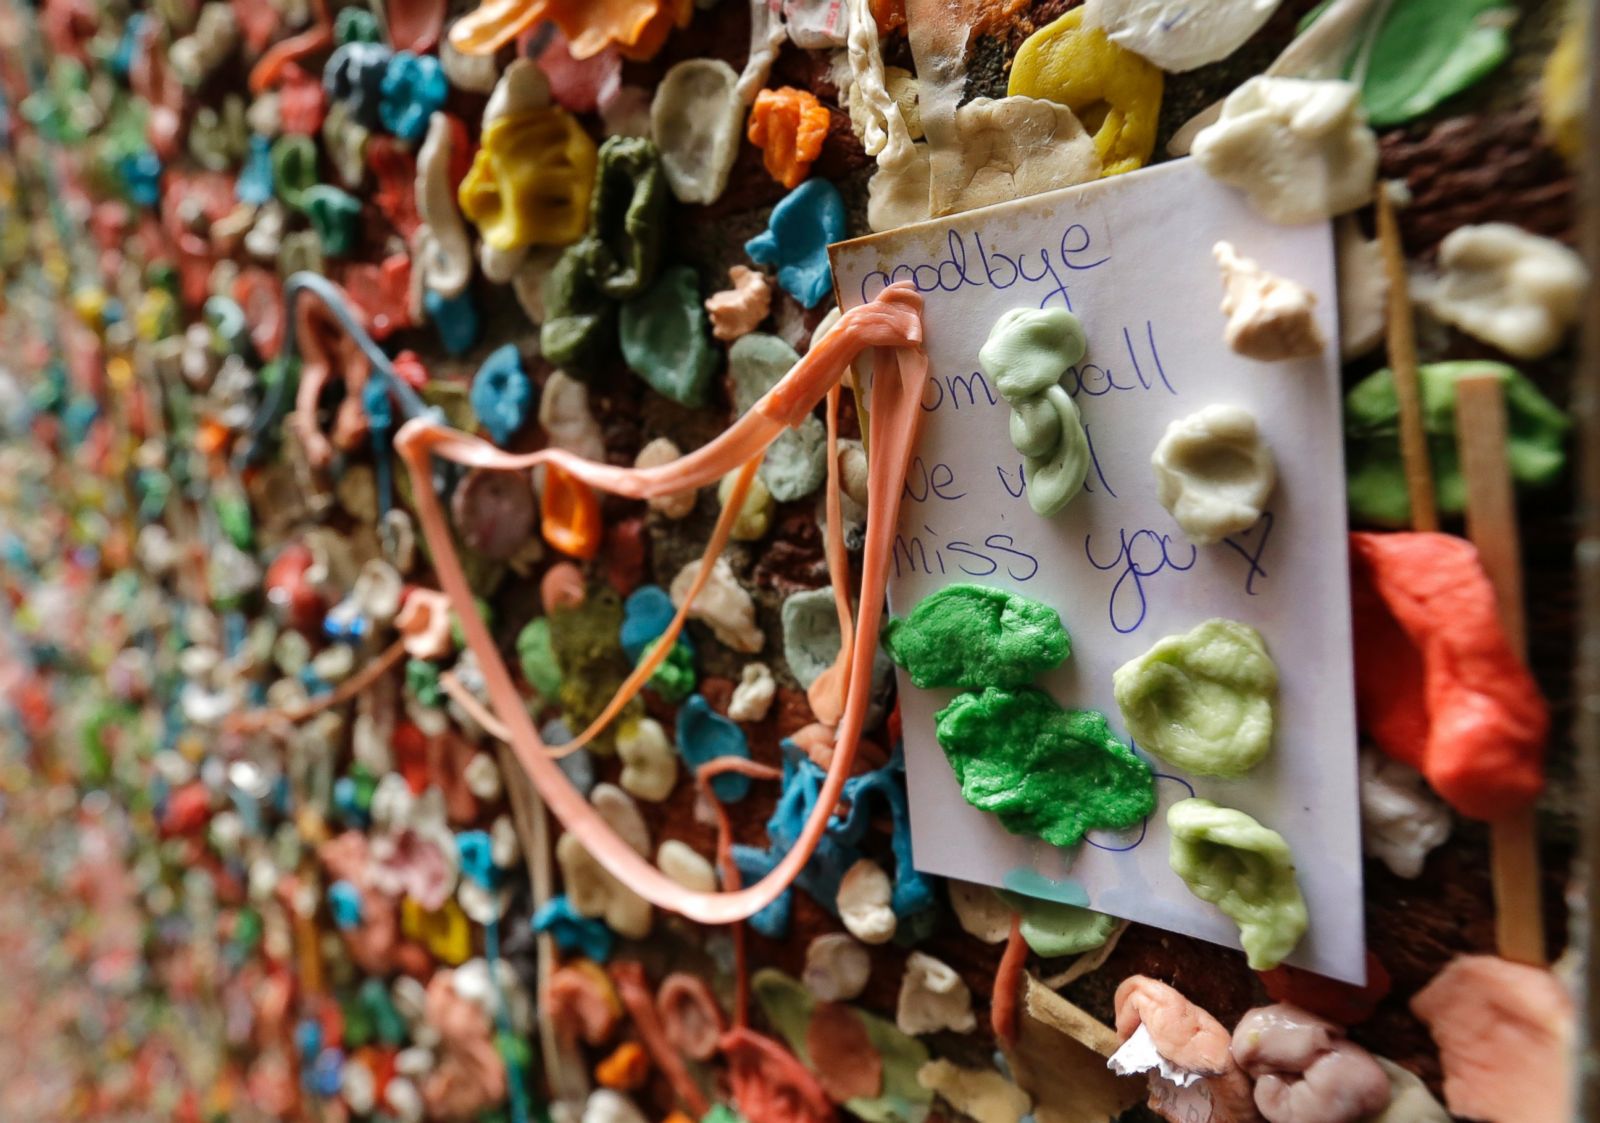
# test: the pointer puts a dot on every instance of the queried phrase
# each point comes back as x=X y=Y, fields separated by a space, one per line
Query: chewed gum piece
x=1081 y=68
x=1305 y=1069
x=695 y=120
x=1214 y=472
x=1246 y=870
x=972 y=636
x=1040 y=769
x=1204 y=700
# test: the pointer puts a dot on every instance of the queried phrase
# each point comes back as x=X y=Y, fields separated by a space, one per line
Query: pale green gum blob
x=1027 y=352
x=1054 y=928
x=788 y=1007
x=1246 y=870
x=1203 y=701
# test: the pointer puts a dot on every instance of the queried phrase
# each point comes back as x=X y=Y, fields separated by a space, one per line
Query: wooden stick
x=1492 y=526
x=1402 y=342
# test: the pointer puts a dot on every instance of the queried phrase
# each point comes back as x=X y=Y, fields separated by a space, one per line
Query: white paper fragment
x=1112 y=564
x=1139 y=1054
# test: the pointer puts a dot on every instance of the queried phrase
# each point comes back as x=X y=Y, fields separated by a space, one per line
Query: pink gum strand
x=893 y=323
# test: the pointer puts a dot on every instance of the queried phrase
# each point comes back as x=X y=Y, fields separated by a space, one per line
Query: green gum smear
x=1053 y=928
x=593 y=665
x=788 y=1005
x=1375 y=476
x=1026 y=353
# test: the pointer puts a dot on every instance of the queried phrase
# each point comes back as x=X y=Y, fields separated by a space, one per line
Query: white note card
x=1131 y=256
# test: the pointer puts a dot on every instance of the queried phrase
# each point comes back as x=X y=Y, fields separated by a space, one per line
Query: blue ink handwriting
x=985 y=267
x=912 y=554
x=1253 y=558
x=938 y=482
x=1127 y=604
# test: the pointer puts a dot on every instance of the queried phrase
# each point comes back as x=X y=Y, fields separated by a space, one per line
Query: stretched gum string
x=827 y=692
x=319 y=36
x=252 y=720
x=707 y=772
x=892 y=320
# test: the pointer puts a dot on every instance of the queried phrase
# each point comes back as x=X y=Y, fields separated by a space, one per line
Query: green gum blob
x=1413 y=54
x=797 y=461
x=788 y=1005
x=1246 y=870
x=356 y=25
x=1375 y=476
x=1054 y=928
x=674 y=679
x=623 y=247
x=1026 y=353
x=593 y=665
x=973 y=636
x=579 y=331
x=422 y=682
x=294 y=168
x=1042 y=770
x=1204 y=700
x=664 y=341
x=335 y=216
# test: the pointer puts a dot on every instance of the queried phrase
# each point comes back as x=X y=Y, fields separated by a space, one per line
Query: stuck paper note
x=1131 y=256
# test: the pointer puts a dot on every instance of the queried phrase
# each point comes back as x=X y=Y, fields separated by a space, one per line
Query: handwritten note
x=1131 y=257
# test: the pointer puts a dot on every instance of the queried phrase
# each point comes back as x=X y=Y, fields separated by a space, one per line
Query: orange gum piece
x=625 y=1069
x=569 y=514
x=1505 y=1035
x=789 y=126
x=494 y=24
x=893 y=324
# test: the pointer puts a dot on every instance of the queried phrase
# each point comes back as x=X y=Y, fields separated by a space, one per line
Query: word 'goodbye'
x=985 y=267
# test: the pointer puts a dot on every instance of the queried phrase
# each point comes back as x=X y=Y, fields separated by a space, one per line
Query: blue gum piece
x=574 y=933
x=704 y=734
x=796 y=239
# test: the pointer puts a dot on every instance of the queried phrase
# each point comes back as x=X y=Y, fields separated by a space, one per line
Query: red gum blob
x=690 y=1017
x=562 y=586
x=842 y=1055
x=583 y=1003
x=1437 y=683
x=1328 y=998
x=625 y=555
x=770 y=1084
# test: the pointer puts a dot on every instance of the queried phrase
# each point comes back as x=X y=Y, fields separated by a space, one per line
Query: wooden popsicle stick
x=1492 y=526
x=1402 y=346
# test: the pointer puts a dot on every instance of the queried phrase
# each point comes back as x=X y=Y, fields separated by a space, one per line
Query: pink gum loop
x=893 y=321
